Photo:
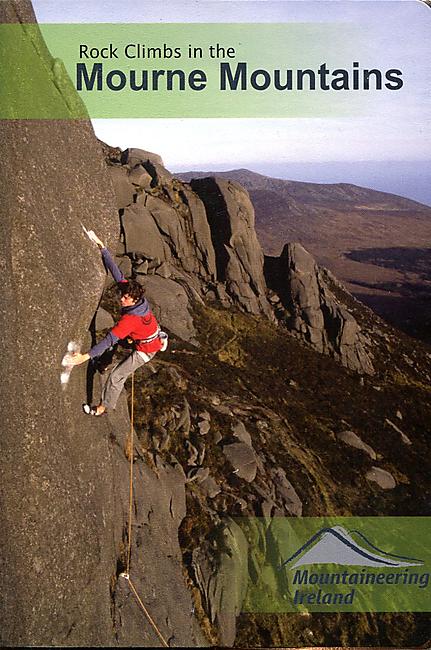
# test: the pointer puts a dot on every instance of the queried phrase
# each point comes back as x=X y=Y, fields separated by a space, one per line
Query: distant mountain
x=411 y=179
x=378 y=244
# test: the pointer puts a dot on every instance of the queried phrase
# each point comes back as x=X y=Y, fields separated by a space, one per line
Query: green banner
x=338 y=564
x=189 y=70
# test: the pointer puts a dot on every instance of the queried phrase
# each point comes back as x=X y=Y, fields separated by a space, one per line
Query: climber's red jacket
x=142 y=329
x=137 y=322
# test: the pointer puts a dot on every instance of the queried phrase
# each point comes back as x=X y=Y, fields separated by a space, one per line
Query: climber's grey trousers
x=119 y=373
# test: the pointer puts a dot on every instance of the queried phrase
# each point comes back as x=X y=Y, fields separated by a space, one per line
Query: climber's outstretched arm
x=120 y=331
x=108 y=259
x=111 y=338
x=111 y=266
x=97 y=350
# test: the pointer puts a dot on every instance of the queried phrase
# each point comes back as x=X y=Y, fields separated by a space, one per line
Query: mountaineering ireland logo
x=338 y=546
x=348 y=548
x=338 y=564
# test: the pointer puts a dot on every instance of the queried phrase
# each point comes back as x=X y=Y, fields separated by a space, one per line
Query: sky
x=395 y=130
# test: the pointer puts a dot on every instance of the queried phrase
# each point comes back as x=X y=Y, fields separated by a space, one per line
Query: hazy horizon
x=409 y=179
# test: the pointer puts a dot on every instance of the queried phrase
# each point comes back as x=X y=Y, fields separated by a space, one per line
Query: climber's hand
x=96 y=240
x=76 y=359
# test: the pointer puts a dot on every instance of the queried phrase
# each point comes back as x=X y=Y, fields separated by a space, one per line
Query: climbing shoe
x=91 y=410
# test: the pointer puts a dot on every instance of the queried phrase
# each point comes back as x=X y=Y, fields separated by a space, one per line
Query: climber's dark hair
x=131 y=288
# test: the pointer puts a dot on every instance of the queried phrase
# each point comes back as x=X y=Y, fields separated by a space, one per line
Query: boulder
x=199 y=230
x=210 y=487
x=286 y=492
x=124 y=190
x=160 y=177
x=216 y=436
x=170 y=305
x=142 y=268
x=133 y=157
x=179 y=234
x=183 y=423
x=192 y=453
x=125 y=265
x=240 y=432
x=140 y=177
x=223 y=581
x=353 y=440
x=384 y=479
x=163 y=270
x=103 y=320
x=141 y=233
x=243 y=459
x=405 y=439
x=202 y=474
x=204 y=426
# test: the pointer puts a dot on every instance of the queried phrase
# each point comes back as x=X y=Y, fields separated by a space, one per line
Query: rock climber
x=137 y=323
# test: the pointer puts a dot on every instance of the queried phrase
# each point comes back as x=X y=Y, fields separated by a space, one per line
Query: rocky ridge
x=202 y=238
x=376 y=243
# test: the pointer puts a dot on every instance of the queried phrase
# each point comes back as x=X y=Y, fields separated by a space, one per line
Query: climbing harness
x=157 y=335
x=126 y=573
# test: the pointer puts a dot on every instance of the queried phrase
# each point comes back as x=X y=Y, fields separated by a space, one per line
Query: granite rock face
x=57 y=553
x=170 y=304
x=239 y=256
x=203 y=232
x=62 y=521
x=184 y=248
x=162 y=221
x=165 y=235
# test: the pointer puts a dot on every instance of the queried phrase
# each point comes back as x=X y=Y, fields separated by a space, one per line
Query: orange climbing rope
x=126 y=574
x=131 y=453
x=147 y=614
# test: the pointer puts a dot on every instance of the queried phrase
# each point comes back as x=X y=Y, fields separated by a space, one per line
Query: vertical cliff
x=64 y=477
x=56 y=540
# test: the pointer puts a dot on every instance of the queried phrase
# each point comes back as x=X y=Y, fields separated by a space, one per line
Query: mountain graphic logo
x=336 y=545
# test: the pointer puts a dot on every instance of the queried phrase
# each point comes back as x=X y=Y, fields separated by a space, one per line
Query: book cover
x=259 y=173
